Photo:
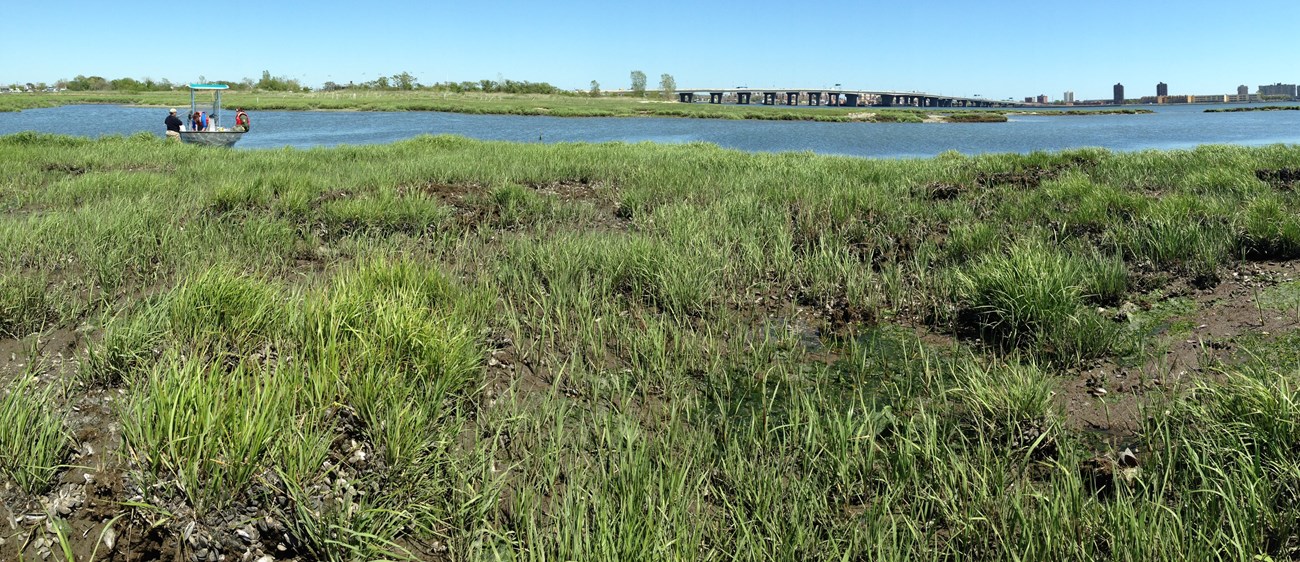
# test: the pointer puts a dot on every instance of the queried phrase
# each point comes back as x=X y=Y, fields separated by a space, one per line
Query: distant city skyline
x=940 y=47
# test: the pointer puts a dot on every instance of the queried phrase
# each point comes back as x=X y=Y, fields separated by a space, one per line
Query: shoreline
x=534 y=105
x=1262 y=108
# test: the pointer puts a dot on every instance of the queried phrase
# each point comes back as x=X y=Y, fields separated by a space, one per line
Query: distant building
x=1279 y=89
x=1042 y=98
x=1162 y=89
x=1119 y=94
x=1182 y=98
x=1069 y=98
x=1242 y=90
x=1029 y=99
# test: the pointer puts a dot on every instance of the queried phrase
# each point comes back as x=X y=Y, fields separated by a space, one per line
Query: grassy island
x=1085 y=112
x=446 y=349
x=1255 y=108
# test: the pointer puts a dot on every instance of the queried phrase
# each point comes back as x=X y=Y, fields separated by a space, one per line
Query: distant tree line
x=400 y=81
x=278 y=84
x=494 y=86
x=83 y=83
x=405 y=81
x=99 y=83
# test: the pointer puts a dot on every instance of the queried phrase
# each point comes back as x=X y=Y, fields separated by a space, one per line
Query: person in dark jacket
x=173 y=126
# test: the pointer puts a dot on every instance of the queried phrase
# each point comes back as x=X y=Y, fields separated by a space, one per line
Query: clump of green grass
x=209 y=428
x=401 y=341
x=515 y=206
x=25 y=306
x=222 y=311
x=1035 y=298
x=33 y=439
x=130 y=345
x=1230 y=452
x=1269 y=231
x=1011 y=403
x=383 y=213
x=1183 y=233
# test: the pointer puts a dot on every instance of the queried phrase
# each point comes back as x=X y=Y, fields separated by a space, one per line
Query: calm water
x=1170 y=127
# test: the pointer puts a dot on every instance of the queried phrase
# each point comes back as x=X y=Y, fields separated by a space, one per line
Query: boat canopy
x=213 y=92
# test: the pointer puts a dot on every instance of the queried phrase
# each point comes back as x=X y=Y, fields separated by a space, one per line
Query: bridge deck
x=892 y=94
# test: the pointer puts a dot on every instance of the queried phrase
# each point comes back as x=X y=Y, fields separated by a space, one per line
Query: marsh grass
x=1037 y=298
x=34 y=442
x=446 y=347
x=25 y=306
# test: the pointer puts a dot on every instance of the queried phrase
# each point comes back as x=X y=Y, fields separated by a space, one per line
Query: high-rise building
x=1242 y=90
x=1042 y=98
x=1119 y=94
x=1162 y=89
x=1069 y=98
x=1288 y=90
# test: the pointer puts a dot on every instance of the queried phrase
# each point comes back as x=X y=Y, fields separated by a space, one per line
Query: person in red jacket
x=241 y=120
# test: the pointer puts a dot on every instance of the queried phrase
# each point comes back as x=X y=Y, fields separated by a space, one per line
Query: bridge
x=835 y=97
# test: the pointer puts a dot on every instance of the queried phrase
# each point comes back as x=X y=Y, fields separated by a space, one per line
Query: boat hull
x=211 y=138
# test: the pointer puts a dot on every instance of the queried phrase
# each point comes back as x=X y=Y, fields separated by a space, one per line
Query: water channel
x=1170 y=127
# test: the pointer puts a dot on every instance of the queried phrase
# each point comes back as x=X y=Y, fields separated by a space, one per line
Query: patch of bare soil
x=83 y=497
x=942 y=191
x=1282 y=178
x=52 y=357
x=610 y=213
x=510 y=368
x=472 y=206
x=1108 y=398
x=1031 y=176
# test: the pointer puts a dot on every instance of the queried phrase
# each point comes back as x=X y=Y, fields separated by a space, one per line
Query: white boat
x=213 y=135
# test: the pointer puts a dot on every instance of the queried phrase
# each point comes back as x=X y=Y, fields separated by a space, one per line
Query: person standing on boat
x=241 y=120
x=173 y=126
x=196 y=121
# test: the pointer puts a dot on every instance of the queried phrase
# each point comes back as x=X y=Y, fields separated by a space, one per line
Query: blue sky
x=996 y=49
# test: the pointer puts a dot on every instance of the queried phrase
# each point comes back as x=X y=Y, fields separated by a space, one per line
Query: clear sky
x=997 y=49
